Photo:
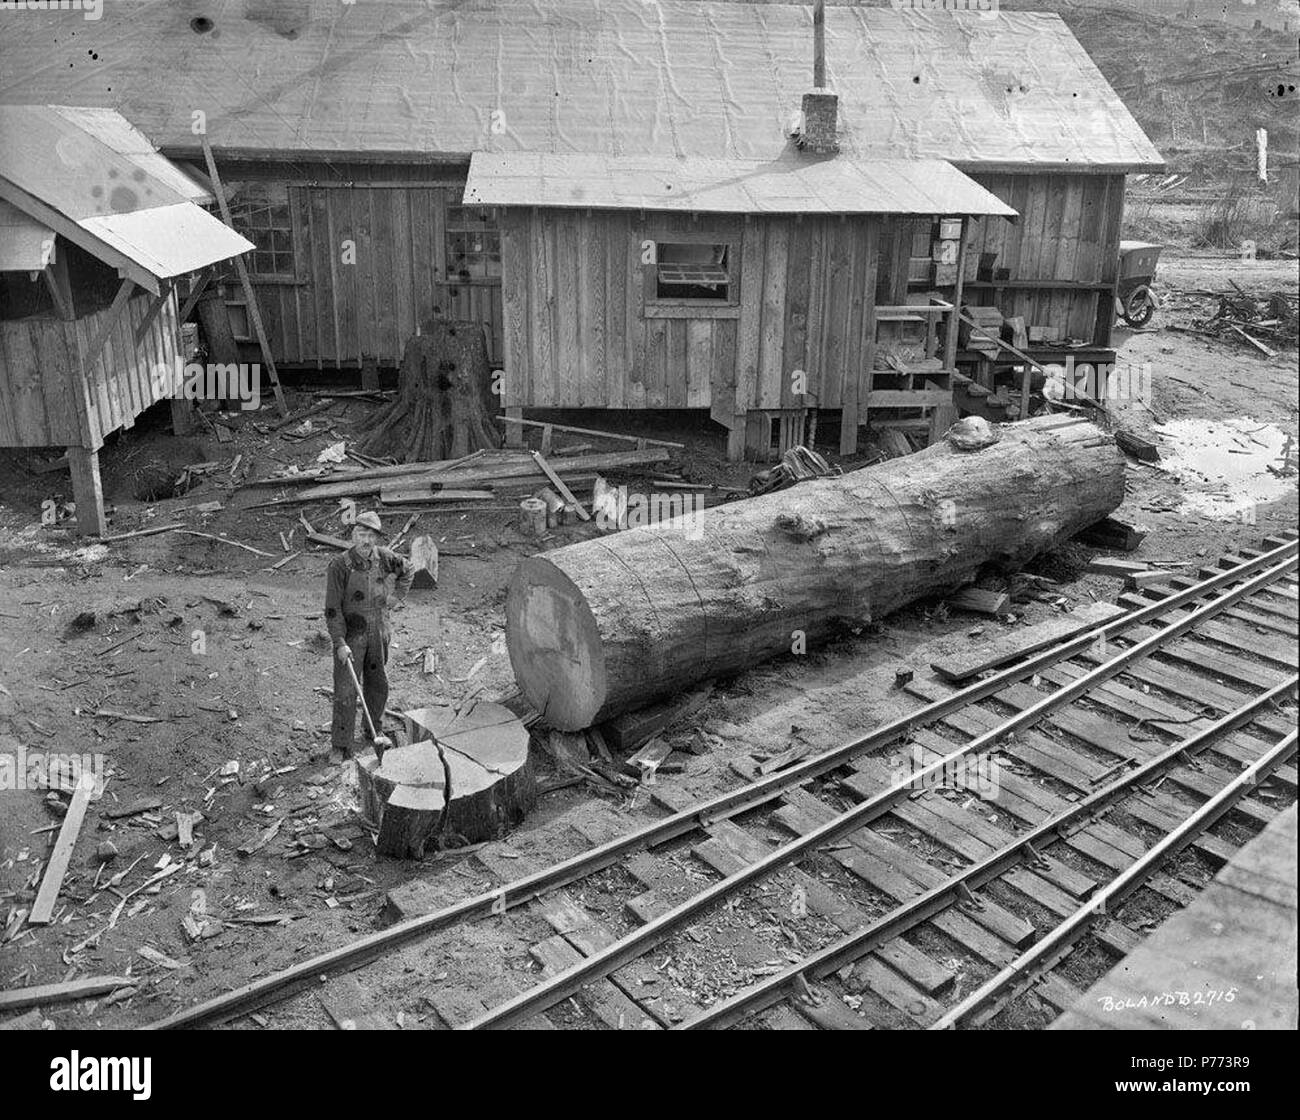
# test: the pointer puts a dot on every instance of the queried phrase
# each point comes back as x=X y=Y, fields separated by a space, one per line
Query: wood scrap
x=141 y=533
x=424 y=558
x=1111 y=566
x=640 y=441
x=43 y=908
x=559 y=485
x=1111 y=533
x=977 y=600
x=1018 y=644
x=1143 y=450
x=142 y=805
x=84 y=987
x=298 y=417
x=644 y=762
x=225 y=540
x=129 y=717
x=628 y=731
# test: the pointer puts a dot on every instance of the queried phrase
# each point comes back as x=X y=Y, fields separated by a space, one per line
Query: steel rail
x=1045 y=953
x=285 y=983
x=858 y=944
x=632 y=945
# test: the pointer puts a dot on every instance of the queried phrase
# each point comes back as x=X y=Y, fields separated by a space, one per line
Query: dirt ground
x=196 y=683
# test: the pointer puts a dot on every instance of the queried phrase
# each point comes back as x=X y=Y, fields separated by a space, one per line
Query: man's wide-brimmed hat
x=370 y=520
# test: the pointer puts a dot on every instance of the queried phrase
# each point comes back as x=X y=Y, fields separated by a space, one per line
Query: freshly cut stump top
x=465 y=777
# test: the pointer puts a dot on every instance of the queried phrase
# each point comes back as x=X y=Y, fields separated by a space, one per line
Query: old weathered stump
x=444 y=400
x=604 y=626
x=465 y=777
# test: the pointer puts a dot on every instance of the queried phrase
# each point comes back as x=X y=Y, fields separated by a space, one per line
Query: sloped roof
x=107 y=201
x=412 y=78
x=26 y=245
x=826 y=186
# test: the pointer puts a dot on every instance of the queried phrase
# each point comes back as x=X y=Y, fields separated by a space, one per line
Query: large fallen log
x=602 y=626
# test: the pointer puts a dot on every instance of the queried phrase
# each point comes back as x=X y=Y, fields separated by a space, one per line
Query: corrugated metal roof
x=414 y=78
x=54 y=169
x=23 y=241
x=825 y=186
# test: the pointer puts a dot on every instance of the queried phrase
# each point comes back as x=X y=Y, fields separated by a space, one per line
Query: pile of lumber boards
x=478 y=477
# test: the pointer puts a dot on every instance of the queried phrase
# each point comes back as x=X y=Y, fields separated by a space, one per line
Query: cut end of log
x=555 y=646
x=467 y=778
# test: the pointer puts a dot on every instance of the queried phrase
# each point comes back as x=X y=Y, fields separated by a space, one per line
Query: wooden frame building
x=347 y=142
x=95 y=230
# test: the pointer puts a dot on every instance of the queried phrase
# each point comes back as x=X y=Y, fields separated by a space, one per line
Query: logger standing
x=359 y=584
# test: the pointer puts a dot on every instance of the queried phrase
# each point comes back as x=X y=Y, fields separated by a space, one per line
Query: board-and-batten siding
x=42 y=402
x=580 y=332
x=1069 y=230
x=340 y=314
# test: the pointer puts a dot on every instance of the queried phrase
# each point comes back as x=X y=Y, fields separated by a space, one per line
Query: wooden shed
x=95 y=228
x=348 y=136
x=751 y=289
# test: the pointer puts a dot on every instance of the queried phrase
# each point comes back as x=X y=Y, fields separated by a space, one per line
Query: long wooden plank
x=1020 y=643
x=41 y=995
x=771 y=371
x=47 y=896
x=242 y=270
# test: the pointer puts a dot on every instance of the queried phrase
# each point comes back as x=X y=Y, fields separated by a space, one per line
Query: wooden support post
x=154 y=308
x=196 y=291
x=87 y=491
x=56 y=279
x=182 y=415
x=369 y=374
x=736 y=438
x=515 y=431
x=249 y=295
x=951 y=330
x=819 y=44
x=91 y=355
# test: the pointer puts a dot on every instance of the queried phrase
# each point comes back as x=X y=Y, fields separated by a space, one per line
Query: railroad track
x=1168 y=729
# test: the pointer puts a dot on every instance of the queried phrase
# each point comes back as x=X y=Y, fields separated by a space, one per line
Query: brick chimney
x=820 y=105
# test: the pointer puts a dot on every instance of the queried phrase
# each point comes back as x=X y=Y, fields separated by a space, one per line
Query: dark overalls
x=357 y=593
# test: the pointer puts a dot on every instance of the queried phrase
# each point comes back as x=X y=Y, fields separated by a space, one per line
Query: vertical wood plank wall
x=339 y=314
x=40 y=387
x=1069 y=230
x=577 y=332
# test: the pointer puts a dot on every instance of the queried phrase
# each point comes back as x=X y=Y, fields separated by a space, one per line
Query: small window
x=694 y=271
x=260 y=211
x=473 y=244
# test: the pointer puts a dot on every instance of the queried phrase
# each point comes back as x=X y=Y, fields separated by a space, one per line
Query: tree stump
x=444 y=402
x=467 y=778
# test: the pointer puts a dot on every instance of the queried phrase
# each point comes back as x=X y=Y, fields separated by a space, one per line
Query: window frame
x=656 y=306
x=242 y=208
x=451 y=275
